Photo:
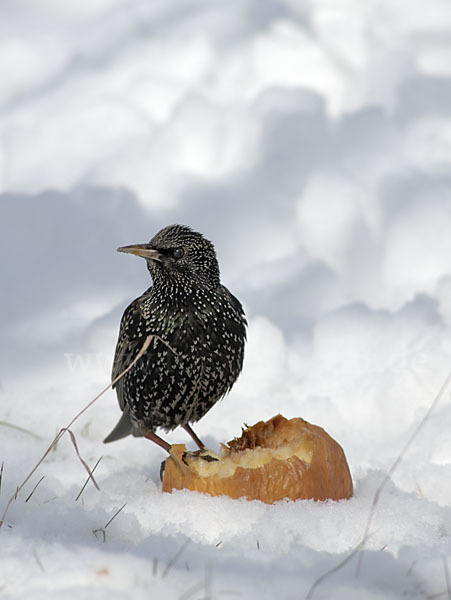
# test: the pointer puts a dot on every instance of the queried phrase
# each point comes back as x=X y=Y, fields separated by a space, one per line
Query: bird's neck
x=177 y=292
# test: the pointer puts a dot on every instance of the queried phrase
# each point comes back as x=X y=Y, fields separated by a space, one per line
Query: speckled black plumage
x=201 y=330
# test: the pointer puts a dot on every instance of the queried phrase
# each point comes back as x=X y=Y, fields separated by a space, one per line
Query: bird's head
x=179 y=255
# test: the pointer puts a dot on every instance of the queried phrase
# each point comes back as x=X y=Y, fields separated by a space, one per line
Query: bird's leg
x=199 y=443
x=202 y=452
x=153 y=437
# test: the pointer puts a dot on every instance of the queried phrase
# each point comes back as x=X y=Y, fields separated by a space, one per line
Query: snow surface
x=311 y=141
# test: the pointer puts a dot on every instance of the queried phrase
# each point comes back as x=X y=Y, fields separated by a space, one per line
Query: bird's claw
x=162 y=468
x=203 y=454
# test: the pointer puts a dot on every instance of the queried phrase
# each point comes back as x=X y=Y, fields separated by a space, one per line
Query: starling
x=199 y=332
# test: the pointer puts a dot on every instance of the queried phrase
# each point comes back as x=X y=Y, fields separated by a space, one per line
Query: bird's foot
x=182 y=464
x=207 y=455
x=162 y=468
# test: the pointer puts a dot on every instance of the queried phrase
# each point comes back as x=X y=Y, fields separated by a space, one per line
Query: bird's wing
x=131 y=338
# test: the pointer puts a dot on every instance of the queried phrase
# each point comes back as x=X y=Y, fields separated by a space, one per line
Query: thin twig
x=192 y=590
x=85 y=464
x=396 y=464
x=55 y=445
x=34 y=489
x=50 y=499
x=21 y=429
x=62 y=431
x=361 y=546
x=448 y=584
x=208 y=581
x=87 y=481
x=324 y=576
x=38 y=560
x=435 y=596
x=115 y=515
x=96 y=531
x=175 y=557
x=103 y=529
x=1 y=476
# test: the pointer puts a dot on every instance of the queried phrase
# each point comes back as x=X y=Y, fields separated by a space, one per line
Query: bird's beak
x=143 y=250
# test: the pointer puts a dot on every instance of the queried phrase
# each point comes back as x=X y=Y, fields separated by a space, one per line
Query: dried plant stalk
x=67 y=429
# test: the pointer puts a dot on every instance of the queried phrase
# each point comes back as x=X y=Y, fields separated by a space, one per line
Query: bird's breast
x=198 y=324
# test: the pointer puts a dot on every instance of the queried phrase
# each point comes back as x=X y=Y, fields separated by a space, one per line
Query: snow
x=311 y=141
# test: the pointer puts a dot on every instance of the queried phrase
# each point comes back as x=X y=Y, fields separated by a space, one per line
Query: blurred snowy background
x=311 y=141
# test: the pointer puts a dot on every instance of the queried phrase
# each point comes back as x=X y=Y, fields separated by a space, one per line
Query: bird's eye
x=177 y=253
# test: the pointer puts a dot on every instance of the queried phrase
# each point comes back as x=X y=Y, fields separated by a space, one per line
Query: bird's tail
x=123 y=428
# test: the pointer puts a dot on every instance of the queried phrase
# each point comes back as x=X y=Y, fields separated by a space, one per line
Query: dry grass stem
x=115 y=515
x=397 y=462
x=87 y=481
x=361 y=546
x=21 y=429
x=38 y=561
x=62 y=431
x=448 y=584
x=324 y=576
x=34 y=489
x=177 y=555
